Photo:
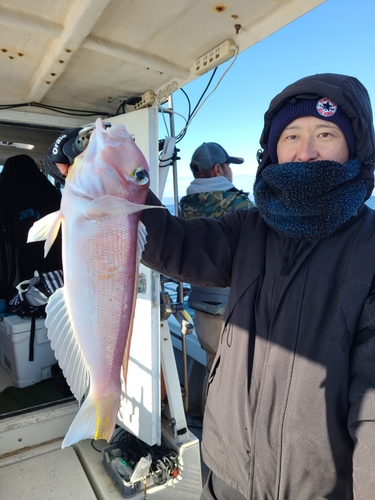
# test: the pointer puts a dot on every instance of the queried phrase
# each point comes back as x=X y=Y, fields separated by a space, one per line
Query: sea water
x=371 y=202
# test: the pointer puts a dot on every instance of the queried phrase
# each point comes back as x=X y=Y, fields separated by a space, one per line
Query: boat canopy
x=63 y=63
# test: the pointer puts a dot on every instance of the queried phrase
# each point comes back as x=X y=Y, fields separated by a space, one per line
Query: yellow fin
x=95 y=420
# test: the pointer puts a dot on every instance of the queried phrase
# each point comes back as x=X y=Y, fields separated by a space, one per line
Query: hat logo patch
x=326 y=107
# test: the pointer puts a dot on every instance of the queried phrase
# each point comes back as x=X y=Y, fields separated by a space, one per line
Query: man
x=211 y=194
x=290 y=412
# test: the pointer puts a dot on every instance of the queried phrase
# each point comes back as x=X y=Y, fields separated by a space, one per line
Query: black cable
x=189 y=103
x=164 y=460
x=131 y=101
x=10 y=106
x=122 y=106
x=92 y=444
x=183 y=133
x=204 y=92
x=66 y=111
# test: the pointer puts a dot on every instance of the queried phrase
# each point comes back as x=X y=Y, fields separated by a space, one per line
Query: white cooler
x=14 y=350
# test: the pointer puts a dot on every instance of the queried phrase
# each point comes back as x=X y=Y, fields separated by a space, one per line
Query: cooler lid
x=15 y=324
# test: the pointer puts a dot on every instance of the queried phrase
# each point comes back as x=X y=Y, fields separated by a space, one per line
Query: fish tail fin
x=95 y=420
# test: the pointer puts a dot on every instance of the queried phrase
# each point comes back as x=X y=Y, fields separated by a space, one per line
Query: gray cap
x=208 y=155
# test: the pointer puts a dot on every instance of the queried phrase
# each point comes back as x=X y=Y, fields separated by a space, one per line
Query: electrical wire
x=181 y=135
x=188 y=100
x=65 y=111
x=164 y=461
x=123 y=104
x=204 y=92
x=216 y=86
x=160 y=108
x=168 y=111
x=117 y=97
x=200 y=102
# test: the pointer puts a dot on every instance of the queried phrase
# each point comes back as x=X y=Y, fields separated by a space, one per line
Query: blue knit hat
x=323 y=108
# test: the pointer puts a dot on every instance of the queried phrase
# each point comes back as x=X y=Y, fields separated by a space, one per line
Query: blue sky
x=337 y=36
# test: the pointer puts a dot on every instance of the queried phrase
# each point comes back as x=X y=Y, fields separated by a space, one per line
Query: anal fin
x=66 y=347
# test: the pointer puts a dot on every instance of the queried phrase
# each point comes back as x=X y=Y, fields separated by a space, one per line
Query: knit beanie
x=323 y=108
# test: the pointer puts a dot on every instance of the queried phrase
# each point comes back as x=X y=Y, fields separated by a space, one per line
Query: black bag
x=32 y=298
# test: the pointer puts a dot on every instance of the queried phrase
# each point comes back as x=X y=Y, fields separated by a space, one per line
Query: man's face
x=226 y=171
x=309 y=139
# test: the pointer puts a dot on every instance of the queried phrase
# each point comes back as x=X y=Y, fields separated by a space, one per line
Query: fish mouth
x=141 y=176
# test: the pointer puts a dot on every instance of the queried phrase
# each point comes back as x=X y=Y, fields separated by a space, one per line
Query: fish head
x=112 y=164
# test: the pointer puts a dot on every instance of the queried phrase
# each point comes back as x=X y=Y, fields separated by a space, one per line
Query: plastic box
x=14 y=350
x=127 y=489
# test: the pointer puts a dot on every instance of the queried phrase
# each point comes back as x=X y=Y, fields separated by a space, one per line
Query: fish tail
x=95 y=420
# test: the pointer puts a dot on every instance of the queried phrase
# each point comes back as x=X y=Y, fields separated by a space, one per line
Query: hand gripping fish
x=90 y=319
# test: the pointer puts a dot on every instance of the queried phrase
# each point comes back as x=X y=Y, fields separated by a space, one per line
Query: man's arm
x=197 y=251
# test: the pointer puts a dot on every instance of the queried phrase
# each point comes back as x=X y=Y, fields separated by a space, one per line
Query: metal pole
x=180 y=285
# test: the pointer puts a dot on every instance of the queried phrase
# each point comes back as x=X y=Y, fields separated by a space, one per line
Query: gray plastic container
x=127 y=489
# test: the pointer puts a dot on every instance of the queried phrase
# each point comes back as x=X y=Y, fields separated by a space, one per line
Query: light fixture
x=19 y=145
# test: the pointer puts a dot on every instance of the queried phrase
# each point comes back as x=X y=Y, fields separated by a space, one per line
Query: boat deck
x=48 y=472
x=5 y=379
x=33 y=465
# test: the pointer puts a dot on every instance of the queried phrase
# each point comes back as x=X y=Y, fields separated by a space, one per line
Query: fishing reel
x=75 y=146
x=167 y=307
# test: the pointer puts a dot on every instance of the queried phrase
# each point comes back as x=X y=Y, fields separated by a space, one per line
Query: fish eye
x=141 y=176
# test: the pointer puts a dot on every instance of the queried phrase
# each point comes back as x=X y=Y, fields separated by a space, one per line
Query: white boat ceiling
x=91 y=54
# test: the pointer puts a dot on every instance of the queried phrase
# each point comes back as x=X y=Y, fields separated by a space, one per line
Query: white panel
x=140 y=410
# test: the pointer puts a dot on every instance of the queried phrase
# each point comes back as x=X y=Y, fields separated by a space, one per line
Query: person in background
x=210 y=194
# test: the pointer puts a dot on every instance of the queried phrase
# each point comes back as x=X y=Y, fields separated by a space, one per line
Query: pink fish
x=90 y=319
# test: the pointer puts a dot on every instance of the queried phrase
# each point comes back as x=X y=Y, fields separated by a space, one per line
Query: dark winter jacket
x=26 y=195
x=213 y=204
x=290 y=413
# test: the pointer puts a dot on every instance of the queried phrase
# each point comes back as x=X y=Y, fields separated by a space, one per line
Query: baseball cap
x=208 y=154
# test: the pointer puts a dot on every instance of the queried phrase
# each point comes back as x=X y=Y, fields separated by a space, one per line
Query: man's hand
x=57 y=163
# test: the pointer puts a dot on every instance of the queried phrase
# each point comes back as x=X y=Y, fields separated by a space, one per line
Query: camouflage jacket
x=213 y=204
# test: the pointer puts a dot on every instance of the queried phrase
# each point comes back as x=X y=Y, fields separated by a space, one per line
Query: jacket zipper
x=289 y=256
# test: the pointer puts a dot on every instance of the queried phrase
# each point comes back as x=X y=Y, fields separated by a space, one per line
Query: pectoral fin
x=47 y=229
x=111 y=205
